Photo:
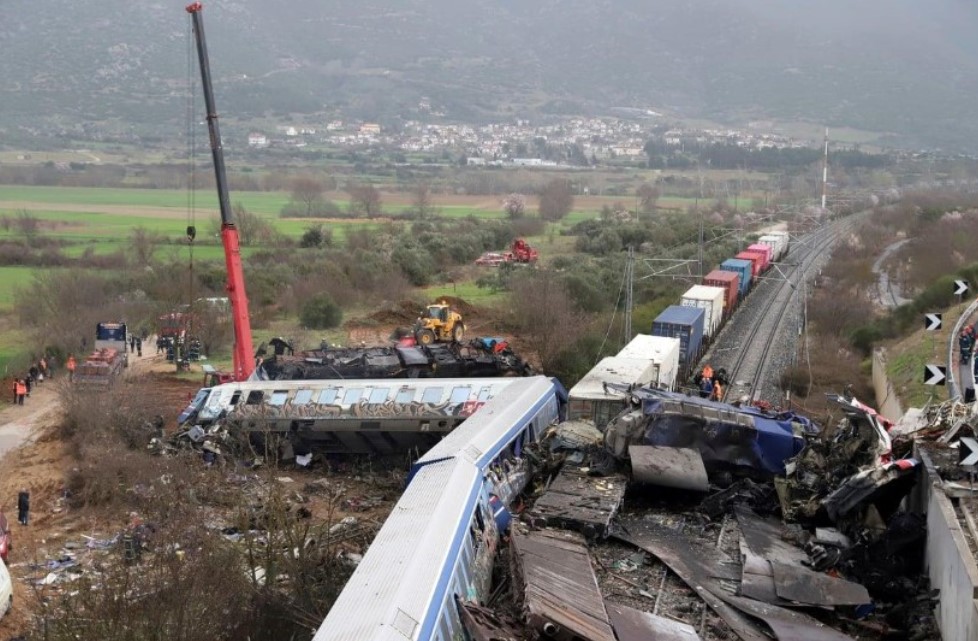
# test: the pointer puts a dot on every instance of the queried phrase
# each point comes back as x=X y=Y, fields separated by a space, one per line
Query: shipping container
x=730 y=282
x=756 y=260
x=768 y=252
x=778 y=243
x=743 y=268
x=591 y=400
x=686 y=324
x=711 y=300
x=664 y=351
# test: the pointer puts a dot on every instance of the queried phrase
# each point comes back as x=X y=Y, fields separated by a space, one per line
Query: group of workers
x=711 y=383
x=36 y=373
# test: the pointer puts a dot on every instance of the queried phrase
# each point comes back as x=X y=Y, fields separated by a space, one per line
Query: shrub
x=320 y=312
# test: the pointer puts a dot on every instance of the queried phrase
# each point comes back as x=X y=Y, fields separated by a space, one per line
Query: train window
x=255 y=397
x=302 y=397
x=404 y=395
x=327 y=396
x=352 y=395
x=379 y=395
x=485 y=393
x=278 y=397
x=234 y=399
x=431 y=395
x=460 y=395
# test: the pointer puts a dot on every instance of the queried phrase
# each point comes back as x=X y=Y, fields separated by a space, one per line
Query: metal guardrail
x=952 y=365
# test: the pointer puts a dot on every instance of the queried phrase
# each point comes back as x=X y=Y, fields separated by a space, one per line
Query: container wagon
x=729 y=281
x=591 y=400
x=744 y=270
x=768 y=252
x=756 y=260
x=663 y=350
x=778 y=244
x=686 y=324
x=710 y=300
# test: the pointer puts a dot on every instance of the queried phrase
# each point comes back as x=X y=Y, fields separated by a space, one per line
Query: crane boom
x=243 y=353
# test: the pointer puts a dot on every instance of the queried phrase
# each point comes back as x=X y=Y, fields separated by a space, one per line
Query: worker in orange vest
x=21 y=387
x=71 y=367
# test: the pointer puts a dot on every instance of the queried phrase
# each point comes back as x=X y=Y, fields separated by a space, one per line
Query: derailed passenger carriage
x=437 y=547
x=349 y=416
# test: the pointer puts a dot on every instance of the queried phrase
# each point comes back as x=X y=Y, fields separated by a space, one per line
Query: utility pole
x=629 y=287
x=825 y=169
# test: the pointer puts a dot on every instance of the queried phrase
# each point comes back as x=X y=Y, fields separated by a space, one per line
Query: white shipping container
x=664 y=351
x=591 y=400
x=710 y=299
x=779 y=241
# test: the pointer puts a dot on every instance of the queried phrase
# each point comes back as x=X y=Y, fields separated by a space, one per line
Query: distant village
x=568 y=142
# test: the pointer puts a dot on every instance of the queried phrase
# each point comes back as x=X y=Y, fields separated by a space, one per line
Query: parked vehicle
x=6 y=538
x=490 y=259
x=519 y=253
x=6 y=590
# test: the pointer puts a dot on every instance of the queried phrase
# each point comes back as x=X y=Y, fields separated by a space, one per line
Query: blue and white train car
x=439 y=542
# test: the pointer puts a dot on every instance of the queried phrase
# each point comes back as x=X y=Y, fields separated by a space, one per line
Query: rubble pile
x=806 y=536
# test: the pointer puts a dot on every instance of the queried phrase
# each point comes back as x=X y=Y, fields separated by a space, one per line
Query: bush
x=320 y=313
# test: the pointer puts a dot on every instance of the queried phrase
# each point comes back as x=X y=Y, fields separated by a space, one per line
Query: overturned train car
x=374 y=416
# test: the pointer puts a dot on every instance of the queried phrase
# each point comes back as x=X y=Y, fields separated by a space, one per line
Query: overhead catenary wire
x=614 y=313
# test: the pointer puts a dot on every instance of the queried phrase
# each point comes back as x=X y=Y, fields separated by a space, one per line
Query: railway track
x=749 y=345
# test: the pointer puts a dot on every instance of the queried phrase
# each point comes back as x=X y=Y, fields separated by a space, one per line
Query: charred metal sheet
x=482 y=624
x=787 y=625
x=763 y=537
x=678 y=467
x=634 y=625
x=694 y=568
x=579 y=502
x=757 y=581
x=561 y=599
x=799 y=584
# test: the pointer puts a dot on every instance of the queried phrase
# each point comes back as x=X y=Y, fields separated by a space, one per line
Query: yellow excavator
x=440 y=323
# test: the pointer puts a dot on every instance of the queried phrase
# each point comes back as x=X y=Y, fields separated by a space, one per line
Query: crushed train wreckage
x=477 y=358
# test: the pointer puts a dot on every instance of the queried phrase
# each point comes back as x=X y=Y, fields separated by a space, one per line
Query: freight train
x=703 y=309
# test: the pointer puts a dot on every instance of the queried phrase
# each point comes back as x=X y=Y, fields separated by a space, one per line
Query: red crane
x=244 y=363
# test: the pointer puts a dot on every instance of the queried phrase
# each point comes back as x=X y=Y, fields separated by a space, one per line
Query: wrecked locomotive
x=437 y=547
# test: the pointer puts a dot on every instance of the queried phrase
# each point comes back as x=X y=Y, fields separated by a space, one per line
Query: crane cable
x=191 y=140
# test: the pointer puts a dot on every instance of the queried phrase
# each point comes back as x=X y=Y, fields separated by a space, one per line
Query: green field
x=12 y=279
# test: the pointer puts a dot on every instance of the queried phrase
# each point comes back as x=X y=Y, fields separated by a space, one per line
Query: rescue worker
x=706 y=387
x=23 y=506
x=708 y=371
x=965 y=343
x=71 y=367
x=21 y=391
x=717 y=392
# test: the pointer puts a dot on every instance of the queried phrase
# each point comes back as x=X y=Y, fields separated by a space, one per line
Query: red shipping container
x=756 y=259
x=729 y=281
x=767 y=250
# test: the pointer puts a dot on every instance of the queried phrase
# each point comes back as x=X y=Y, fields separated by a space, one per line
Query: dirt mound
x=402 y=313
x=459 y=305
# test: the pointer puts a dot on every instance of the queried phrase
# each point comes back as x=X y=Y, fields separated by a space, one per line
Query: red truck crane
x=243 y=353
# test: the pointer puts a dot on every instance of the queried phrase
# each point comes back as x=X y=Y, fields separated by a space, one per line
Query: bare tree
x=365 y=199
x=556 y=200
x=647 y=196
x=28 y=225
x=308 y=193
x=514 y=205
x=552 y=323
x=422 y=200
x=143 y=244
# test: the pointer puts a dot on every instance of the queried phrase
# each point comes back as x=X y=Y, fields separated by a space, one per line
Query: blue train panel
x=743 y=268
x=686 y=324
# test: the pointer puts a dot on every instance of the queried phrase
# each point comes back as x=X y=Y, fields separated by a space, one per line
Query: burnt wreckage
x=479 y=357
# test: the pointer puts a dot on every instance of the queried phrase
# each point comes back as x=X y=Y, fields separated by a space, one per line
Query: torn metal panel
x=787 y=625
x=579 y=502
x=561 y=599
x=696 y=568
x=858 y=488
x=763 y=537
x=482 y=624
x=801 y=585
x=757 y=580
x=634 y=625
x=669 y=467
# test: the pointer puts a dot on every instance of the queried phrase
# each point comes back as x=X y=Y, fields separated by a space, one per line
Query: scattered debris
x=560 y=595
x=634 y=625
x=579 y=502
